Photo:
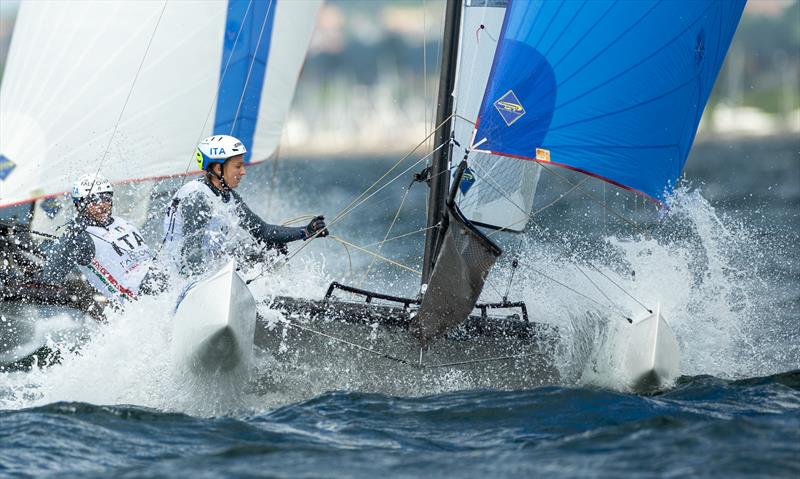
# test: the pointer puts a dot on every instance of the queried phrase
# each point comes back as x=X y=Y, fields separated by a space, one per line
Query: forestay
x=71 y=70
x=612 y=89
x=496 y=192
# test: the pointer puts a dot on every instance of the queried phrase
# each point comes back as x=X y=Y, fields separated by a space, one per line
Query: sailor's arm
x=73 y=248
x=263 y=231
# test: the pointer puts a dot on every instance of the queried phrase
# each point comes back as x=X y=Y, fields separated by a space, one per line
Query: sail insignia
x=509 y=107
x=6 y=167
x=466 y=181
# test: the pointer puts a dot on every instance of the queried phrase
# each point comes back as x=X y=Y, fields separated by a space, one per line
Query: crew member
x=109 y=252
x=204 y=214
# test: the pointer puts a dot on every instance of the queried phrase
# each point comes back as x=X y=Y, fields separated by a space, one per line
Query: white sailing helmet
x=88 y=185
x=217 y=149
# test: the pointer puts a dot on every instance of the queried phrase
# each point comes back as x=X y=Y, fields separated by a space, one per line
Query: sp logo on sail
x=509 y=107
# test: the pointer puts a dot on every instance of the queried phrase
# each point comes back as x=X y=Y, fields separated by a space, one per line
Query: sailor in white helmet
x=198 y=222
x=110 y=252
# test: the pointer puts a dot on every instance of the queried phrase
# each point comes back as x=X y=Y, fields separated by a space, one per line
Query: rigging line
x=356 y=203
x=494 y=288
x=514 y=266
x=349 y=260
x=392 y=168
x=465 y=119
x=376 y=255
x=349 y=343
x=353 y=206
x=130 y=92
x=636 y=225
x=616 y=310
x=388 y=231
x=424 y=64
x=421 y=230
x=620 y=287
x=531 y=216
x=474 y=58
x=291 y=255
x=250 y=68
x=297 y=220
x=596 y=286
x=490 y=181
x=439 y=52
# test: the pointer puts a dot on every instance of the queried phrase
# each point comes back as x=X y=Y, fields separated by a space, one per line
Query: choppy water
x=703 y=427
x=723 y=263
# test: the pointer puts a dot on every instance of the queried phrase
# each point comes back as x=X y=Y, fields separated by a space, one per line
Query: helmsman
x=109 y=252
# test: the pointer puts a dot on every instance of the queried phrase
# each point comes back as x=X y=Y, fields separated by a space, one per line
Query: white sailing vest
x=215 y=236
x=121 y=260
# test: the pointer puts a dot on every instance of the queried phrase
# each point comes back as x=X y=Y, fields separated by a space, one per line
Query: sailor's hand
x=316 y=227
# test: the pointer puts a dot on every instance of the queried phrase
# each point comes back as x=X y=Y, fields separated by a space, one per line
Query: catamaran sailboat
x=612 y=91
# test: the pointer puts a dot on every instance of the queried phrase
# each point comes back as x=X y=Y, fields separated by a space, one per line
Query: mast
x=439 y=178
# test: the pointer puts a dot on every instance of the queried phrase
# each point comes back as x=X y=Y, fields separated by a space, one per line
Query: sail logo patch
x=6 y=167
x=509 y=107
x=542 y=155
x=467 y=181
x=50 y=206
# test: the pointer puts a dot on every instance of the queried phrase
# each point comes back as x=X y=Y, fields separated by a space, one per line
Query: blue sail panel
x=248 y=35
x=612 y=89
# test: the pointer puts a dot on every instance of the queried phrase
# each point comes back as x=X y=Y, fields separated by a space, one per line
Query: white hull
x=214 y=324
x=652 y=357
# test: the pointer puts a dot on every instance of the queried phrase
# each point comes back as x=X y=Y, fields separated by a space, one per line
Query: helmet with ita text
x=217 y=149
x=90 y=185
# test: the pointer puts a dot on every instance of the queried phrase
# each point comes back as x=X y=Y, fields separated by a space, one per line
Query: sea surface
x=723 y=261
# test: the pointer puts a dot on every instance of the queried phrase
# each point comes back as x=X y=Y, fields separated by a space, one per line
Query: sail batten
x=618 y=94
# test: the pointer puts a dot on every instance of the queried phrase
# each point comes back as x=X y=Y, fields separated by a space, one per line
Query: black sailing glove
x=316 y=227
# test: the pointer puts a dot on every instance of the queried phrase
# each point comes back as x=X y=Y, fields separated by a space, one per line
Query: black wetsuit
x=196 y=213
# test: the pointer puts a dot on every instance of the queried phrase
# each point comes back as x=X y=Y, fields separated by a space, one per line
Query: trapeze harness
x=121 y=260
x=214 y=235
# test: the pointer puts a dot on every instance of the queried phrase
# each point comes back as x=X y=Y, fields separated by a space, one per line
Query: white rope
x=376 y=255
x=356 y=203
x=421 y=230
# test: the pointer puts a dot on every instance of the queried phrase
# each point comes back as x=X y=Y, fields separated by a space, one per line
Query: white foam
x=710 y=292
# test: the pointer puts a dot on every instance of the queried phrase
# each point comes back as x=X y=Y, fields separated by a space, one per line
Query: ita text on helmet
x=217 y=149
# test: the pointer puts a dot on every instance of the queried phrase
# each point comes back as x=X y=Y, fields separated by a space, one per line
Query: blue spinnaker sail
x=612 y=89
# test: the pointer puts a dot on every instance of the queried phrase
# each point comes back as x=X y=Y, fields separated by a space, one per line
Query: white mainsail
x=497 y=192
x=71 y=71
